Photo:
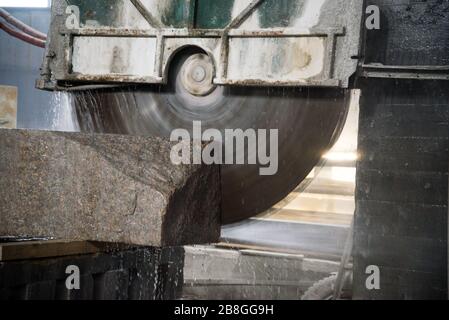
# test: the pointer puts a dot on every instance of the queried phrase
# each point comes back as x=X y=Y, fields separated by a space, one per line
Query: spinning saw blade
x=308 y=121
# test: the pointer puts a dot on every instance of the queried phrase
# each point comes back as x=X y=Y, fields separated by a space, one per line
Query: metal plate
x=313 y=44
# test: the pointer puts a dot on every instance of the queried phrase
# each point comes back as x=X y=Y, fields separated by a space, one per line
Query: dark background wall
x=412 y=33
x=19 y=66
x=401 y=221
x=402 y=189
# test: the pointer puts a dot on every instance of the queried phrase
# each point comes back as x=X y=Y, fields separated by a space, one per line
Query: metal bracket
x=330 y=34
x=405 y=72
x=242 y=17
x=208 y=39
x=155 y=23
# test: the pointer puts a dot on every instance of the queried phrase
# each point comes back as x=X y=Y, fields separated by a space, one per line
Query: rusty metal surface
x=405 y=72
x=328 y=54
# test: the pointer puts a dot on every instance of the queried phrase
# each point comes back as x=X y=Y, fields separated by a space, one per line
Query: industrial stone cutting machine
x=147 y=67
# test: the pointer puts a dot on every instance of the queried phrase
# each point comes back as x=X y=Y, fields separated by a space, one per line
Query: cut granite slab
x=8 y=107
x=107 y=188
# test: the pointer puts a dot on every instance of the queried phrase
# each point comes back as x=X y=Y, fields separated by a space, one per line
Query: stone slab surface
x=106 y=188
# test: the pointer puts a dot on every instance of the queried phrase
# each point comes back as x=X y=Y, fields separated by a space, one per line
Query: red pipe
x=22 y=26
x=22 y=36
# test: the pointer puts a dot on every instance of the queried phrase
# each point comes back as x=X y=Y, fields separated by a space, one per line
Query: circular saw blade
x=308 y=121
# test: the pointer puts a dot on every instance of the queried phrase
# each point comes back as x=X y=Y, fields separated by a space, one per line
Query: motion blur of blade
x=309 y=121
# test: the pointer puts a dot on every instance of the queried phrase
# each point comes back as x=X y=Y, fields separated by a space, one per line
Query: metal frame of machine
x=217 y=43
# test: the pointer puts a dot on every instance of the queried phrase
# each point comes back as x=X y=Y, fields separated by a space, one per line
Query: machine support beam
x=235 y=23
x=152 y=20
x=405 y=72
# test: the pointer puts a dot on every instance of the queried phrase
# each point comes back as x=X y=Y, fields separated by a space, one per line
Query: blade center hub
x=197 y=75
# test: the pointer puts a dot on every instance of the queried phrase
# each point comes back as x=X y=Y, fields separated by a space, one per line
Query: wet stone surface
x=107 y=188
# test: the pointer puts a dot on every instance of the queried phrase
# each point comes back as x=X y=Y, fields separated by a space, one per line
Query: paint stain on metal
x=302 y=58
x=117 y=64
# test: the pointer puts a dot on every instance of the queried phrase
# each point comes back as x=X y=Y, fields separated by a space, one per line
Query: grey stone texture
x=107 y=188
